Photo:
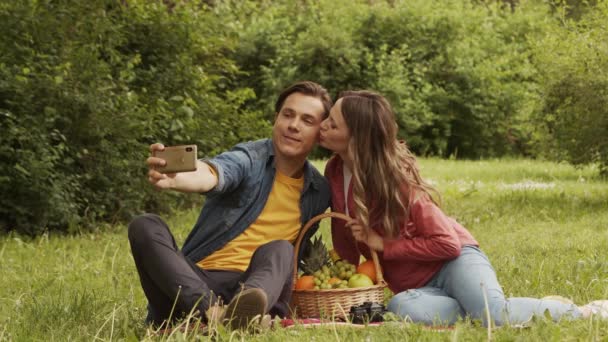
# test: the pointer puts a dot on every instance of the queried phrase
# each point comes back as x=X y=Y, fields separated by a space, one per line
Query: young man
x=240 y=250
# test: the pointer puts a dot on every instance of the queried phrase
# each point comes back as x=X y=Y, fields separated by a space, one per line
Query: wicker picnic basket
x=332 y=303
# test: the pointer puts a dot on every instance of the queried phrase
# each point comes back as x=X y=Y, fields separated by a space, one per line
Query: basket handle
x=310 y=223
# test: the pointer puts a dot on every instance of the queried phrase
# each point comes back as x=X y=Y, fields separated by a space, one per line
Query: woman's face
x=335 y=135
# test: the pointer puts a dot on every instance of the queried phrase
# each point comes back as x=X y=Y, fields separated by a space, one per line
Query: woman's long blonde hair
x=385 y=172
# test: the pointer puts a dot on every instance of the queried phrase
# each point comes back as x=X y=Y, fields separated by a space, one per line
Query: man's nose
x=294 y=123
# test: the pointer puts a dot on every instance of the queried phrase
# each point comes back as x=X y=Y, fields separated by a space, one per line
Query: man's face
x=296 y=126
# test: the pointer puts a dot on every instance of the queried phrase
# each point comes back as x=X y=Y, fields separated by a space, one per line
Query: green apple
x=359 y=280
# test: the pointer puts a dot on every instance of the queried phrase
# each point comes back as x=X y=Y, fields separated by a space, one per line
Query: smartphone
x=179 y=158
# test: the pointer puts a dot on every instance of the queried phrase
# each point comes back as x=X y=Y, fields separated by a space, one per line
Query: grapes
x=341 y=269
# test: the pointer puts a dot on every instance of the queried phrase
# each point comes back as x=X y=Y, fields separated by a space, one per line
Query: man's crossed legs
x=176 y=286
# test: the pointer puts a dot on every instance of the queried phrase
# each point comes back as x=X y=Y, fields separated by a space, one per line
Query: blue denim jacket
x=245 y=177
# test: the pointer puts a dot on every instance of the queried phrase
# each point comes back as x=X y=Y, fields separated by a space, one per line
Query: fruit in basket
x=343 y=269
x=305 y=282
x=315 y=257
x=359 y=280
x=334 y=280
x=327 y=274
x=368 y=269
x=337 y=283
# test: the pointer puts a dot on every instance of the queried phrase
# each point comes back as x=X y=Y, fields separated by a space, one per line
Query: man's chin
x=288 y=152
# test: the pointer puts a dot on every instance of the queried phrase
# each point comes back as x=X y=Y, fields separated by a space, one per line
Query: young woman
x=431 y=262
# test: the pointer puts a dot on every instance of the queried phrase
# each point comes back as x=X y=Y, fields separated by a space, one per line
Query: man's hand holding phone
x=177 y=168
x=165 y=162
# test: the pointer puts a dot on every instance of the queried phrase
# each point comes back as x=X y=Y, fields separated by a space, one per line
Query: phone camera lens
x=188 y=149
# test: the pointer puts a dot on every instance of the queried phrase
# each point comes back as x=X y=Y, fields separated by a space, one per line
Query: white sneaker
x=596 y=308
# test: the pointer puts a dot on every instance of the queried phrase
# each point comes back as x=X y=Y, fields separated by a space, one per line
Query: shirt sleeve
x=433 y=238
x=230 y=167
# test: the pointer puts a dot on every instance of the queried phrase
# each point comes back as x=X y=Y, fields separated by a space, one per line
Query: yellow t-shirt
x=279 y=220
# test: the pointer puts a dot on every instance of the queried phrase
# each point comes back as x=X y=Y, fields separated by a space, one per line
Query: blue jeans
x=457 y=291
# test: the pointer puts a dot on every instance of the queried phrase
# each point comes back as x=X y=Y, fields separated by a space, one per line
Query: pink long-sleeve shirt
x=428 y=240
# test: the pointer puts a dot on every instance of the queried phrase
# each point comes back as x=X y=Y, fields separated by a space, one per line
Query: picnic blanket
x=316 y=322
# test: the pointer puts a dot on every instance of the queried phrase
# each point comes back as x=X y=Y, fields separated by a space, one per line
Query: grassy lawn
x=543 y=225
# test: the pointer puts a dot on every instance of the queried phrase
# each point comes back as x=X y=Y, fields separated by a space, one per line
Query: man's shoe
x=246 y=306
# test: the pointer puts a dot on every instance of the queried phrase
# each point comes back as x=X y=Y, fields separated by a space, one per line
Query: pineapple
x=335 y=257
x=315 y=256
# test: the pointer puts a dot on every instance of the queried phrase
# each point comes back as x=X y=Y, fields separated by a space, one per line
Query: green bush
x=458 y=75
x=85 y=87
x=573 y=63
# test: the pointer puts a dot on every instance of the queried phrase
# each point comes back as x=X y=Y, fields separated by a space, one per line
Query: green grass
x=543 y=225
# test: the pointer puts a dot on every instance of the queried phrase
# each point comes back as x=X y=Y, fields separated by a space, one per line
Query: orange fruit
x=305 y=282
x=333 y=280
x=368 y=269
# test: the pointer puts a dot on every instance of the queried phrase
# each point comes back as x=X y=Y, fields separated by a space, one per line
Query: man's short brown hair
x=307 y=88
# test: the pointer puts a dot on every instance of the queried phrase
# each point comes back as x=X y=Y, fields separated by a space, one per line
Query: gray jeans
x=174 y=285
x=464 y=287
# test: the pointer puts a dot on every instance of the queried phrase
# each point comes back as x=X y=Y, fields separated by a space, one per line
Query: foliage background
x=85 y=87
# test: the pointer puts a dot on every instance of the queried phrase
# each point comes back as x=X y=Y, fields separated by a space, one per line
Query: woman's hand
x=368 y=236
